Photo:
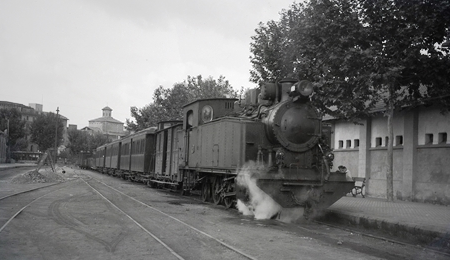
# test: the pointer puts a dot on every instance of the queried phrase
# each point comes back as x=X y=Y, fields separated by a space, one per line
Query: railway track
x=178 y=235
x=27 y=191
x=324 y=231
x=30 y=203
x=141 y=225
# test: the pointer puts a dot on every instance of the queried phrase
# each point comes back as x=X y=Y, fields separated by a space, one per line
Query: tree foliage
x=351 y=49
x=17 y=131
x=168 y=102
x=77 y=141
x=84 y=141
x=43 y=130
x=360 y=54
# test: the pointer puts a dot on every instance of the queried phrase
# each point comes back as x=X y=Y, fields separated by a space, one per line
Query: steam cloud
x=261 y=205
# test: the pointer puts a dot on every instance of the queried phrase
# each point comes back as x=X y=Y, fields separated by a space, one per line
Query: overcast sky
x=83 y=55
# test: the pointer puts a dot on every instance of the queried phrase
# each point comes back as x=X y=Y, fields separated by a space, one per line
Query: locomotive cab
x=203 y=111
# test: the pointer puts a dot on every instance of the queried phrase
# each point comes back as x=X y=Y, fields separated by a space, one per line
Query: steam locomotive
x=275 y=135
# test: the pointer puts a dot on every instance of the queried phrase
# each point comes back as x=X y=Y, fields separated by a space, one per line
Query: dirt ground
x=42 y=176
x=75 y=222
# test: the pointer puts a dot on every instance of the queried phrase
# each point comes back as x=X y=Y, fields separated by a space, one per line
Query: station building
x=421 y=153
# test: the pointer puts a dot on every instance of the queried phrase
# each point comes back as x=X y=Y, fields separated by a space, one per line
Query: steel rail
x=22 y=192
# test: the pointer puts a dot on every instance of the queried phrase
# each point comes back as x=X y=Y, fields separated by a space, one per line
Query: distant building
x=107 y=125
x=91 y=131
x=72 y=127
x=29 y=114
x=37 y=107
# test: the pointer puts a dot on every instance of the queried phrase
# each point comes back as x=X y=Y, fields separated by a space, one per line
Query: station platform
x=421 y=223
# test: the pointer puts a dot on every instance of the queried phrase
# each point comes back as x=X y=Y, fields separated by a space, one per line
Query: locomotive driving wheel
x=229 y=201
x=217 y=190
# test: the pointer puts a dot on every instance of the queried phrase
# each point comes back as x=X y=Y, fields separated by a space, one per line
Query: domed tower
x=107 y=111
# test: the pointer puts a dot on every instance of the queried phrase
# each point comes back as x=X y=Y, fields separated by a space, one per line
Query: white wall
x=431 y=121
x=379 y=129
x=345 y=131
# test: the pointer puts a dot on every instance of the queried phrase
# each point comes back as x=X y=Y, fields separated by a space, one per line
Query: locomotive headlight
x=305 y=87
x=330 y=156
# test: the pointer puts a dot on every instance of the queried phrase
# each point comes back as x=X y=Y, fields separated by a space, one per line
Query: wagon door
x=192 y=150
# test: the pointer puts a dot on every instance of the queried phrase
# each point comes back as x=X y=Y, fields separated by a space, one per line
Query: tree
x=404 y=37
x=43 y=131
x=360 y=53
x=84 y=141
x=322 y=43
x=11 y=120
x=78 y=141
x=168 y=103
x=95 y=140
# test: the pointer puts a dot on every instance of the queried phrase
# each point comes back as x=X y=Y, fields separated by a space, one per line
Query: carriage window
x=229 y=105
x=207 y=113
x=189 y=120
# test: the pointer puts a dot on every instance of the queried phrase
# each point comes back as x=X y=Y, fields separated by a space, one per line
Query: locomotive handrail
x=327 y=168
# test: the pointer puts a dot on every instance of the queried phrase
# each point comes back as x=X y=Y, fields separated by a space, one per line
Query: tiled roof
x=106 y=119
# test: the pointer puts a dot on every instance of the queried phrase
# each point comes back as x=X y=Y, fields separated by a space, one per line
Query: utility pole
x=8 y=155
x=56 y=135
x=7 y=123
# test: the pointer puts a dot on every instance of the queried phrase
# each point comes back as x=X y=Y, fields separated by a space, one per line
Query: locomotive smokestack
x=286 y=85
